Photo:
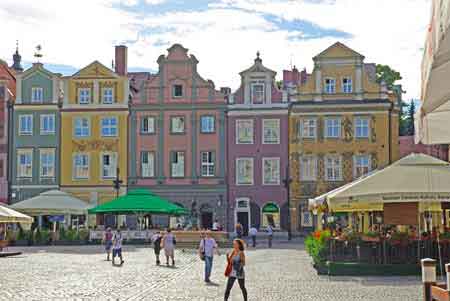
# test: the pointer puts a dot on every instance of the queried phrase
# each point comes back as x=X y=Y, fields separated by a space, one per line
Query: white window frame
x=312 y=164
x=306 y=121
x=276 y=130
x=149 y=167
x=45 y=165
x=110 y=128
x=356 y=166
x=172 y=167
x=332 y=120
x=243 y=159
x=336 y=169
x=51 y=131
x=209 y=124
x=107 y=98
x=28 y=166
x=277 y=180
x=330 y=88
x=75 y=169
x=82 y=98
x=37 y=91
x=27 y=132
x=112 y=167
x=252 y=86
x=151 y=125
x=88 y=127
x=172 y=129
x=209 y=163
x=358 y=125
x=347 y=87
x=252 y=130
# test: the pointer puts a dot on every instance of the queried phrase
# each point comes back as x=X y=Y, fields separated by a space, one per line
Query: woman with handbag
x=235 y=269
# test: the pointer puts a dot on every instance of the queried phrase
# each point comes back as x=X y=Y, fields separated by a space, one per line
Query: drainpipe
x=9 y=155
x=390 y=133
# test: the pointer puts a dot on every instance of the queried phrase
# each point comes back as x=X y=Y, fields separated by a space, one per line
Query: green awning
x=270 y=208
x=139 y=201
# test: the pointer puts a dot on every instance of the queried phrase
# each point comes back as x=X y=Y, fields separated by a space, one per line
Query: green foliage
x=317 y=246
x=83 y=234
x=372 y=234
x=445 y=235
x=41 y=236
x=387 y=74
x=400 y=236
x=407 y=118
x=23 y=234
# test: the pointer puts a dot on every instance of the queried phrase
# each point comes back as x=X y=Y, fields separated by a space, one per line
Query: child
x=117 y=247
x=156 y=240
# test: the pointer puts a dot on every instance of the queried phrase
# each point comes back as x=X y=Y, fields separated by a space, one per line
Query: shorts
x=169 y=252
x=117 y=252
x=108 y=245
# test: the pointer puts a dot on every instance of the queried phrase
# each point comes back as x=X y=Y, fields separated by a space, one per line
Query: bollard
x=428 y=277
x=447 y=270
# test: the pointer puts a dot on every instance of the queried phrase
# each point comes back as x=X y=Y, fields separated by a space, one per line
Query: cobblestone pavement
x=282 y=273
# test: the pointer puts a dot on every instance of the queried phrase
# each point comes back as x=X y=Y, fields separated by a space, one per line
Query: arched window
x=271 y=215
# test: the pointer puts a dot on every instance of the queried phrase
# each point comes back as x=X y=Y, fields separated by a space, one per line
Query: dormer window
x=37 y=94
x=347 y=85
x=108 y=95
x=257 y=93
x=177 y=90
x=330 y=85
x=84 y=95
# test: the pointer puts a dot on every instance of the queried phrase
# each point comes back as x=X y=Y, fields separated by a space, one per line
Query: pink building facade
x=258 y=150
x=408 y=146
x=177 y=137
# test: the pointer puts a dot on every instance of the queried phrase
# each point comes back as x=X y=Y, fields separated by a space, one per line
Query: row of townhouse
x=234 y=157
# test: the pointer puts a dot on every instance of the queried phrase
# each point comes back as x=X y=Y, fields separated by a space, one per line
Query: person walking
x=168 y=243
x=253 y=232
x=239 y=230
x=206 y=251
x=216 y=225
x=156 y=240
x=269 y=235
x=235 y=269
x=107 y=241
x=117 y=247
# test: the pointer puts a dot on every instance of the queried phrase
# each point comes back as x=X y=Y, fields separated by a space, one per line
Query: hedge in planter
x=317 y=246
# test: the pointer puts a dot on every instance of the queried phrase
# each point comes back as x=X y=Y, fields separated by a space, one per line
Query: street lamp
x=117 y=182
x=287 y=183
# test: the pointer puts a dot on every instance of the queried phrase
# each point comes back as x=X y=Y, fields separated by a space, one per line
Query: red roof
x=8 y=75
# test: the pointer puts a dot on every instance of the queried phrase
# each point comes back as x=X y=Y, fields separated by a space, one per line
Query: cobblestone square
x=282 y=273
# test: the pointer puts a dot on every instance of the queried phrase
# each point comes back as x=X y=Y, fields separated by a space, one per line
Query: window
x=81 y=166
x=257 y=93
x=271 y=171
x=109 y=165
x=37 y=94
x=82 y=127
x=177 y=125
x=47 y=124
x=361 y=165
x=25 y=124
x=208 y=164
x=361 y=127
x=330 y=85
x=271 y=130
x=333 y=127
x=108 y=95
x=25 y=163
x=147 y=164
x=308 y=128
x=84 y=95
x=308 y=168
x=177 y=164
x=177 y=90
x=244 y=171
x=244 y=131
x=333 y=168
x=2 y=171
x=347 y=85
x=109 y=127
x=207 y=124
x=47 y=165
x=148 y=125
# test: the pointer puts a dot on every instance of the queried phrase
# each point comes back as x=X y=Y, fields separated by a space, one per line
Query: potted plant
x=444 y=237
x=371 y=236
x=399 y=238
x=23 y=238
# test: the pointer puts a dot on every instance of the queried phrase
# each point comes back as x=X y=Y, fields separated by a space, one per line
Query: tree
x=411 y=112
x=407 y=118
x=387 y=74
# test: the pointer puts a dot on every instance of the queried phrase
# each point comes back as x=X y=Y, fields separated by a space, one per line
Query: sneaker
x=121 y=262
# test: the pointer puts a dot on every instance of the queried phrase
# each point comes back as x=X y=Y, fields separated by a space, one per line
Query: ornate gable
x=338 y=50
x=95 y=70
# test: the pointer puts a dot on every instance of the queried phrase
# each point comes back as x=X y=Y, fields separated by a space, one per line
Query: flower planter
x=370 y=239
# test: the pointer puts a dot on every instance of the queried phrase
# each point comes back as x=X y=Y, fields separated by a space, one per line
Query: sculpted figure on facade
x=348 y=129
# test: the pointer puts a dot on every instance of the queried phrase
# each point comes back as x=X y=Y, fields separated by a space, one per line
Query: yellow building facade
x=342 y=125
x=94 y=133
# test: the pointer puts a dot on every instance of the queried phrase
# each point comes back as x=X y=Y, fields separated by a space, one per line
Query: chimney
x=121 y=60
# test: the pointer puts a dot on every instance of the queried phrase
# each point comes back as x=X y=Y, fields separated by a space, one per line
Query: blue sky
x=223 y=34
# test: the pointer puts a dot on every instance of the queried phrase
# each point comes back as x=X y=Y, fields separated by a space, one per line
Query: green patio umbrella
x=139 y=201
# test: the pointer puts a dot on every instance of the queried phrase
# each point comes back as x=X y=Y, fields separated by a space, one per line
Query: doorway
x=207 y=220
x=242 y=218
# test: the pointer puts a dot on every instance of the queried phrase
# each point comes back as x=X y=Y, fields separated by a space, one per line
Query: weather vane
x=38 y=55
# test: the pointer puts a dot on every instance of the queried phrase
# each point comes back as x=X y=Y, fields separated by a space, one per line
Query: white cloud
x=224 y=40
